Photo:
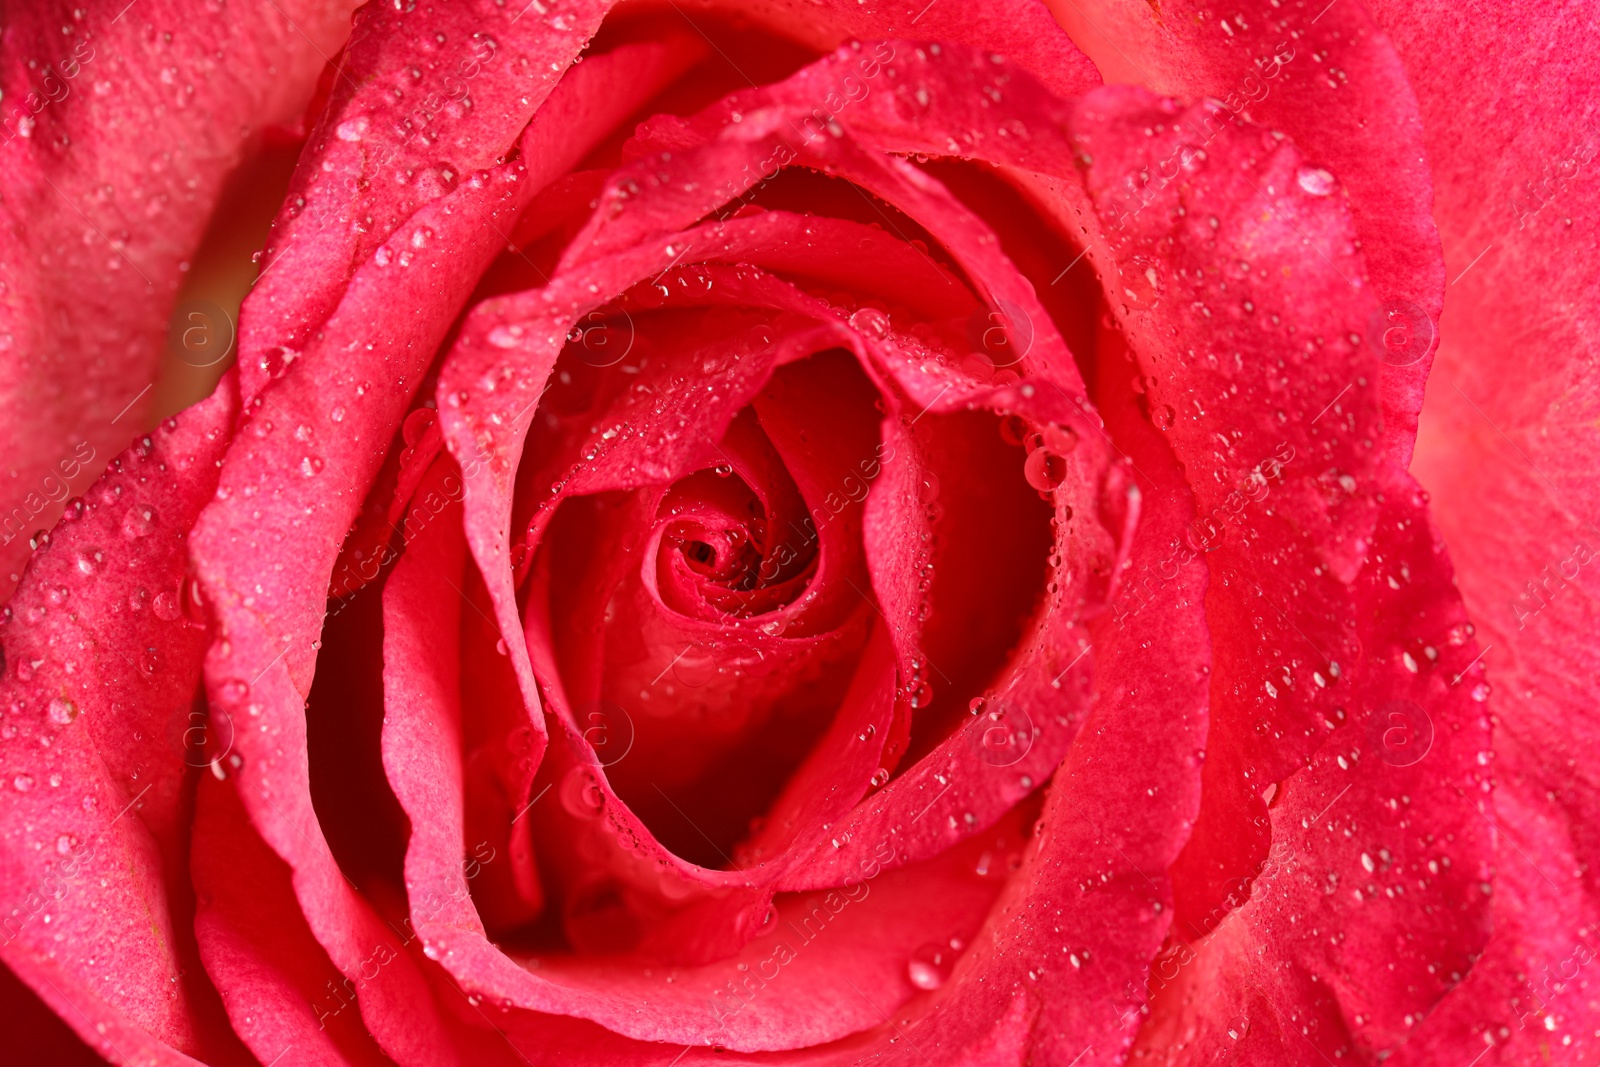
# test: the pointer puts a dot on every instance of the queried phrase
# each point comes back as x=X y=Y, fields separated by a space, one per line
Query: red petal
x=103 y=663
x=325 y=414
x=1060 y=969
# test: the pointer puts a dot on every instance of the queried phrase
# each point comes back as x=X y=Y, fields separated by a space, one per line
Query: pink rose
x=797 y=534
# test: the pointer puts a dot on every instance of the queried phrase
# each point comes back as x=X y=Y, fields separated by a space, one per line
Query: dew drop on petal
x=930 y=965
x=138 y=522
x=62 y=711
x=1314 y=180
x=165 y=606
x=1044 y=470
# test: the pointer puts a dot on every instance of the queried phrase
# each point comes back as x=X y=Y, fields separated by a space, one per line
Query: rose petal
x=400 y=131
x=103 y=661
x=869 y=930
x=1018 y=29
x=1506 y=450
x=1327 y=77
x=325 y=414
x=280 y=990
x=1373 y=902
x=117 y=141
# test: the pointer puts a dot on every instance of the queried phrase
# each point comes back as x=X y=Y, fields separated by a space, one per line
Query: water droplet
x=165 y=606
x=233 y=690
x=581 y=794
x=505 y=336
x=1013 y=429
x=22 y=783
x=62 y=711
x=1401 y=332
x=695 y=667
x=871 y=321
x=353 y=129
x=930 y=965
x=1044 y=470
x=1314 y=180
x=1060 y=439
x=275 y=361
x=311 y=466
x=1139 y=283
x=138 y=522
x=192 y=602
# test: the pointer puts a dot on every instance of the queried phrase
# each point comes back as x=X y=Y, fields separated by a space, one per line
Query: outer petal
x=1507 y=447
x=1021 y=30
x=1325 y=74
x=1370 y=906
x=284 y=998
x=118 y=125
x=102 y=667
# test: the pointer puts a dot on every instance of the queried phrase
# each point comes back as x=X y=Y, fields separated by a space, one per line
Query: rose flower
x=795 y=534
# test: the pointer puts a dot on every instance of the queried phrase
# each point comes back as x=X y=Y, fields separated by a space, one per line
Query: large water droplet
x=1314 y=180
x=695 y=667
x=581 y=794
x=871 y=321
x=353 y=129
x=165 y=606
x=1044 y=470
x=275 y=361
x=138 y=522
x=62 y=711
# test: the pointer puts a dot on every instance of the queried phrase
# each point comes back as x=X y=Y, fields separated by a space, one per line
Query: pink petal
x=1327 y=77
x=281 y=992
x=1373 y=902
x=1506 y=450
x=103 y=661
x=113 y=132
x=1021 y=30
